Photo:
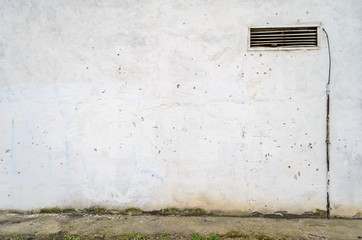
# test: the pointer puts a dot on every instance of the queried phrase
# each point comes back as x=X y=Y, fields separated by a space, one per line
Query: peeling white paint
x=157 y=104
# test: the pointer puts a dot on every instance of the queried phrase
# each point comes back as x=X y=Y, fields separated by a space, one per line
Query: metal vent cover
x=280 y=38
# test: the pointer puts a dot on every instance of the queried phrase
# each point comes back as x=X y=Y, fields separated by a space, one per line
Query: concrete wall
x=159 y=103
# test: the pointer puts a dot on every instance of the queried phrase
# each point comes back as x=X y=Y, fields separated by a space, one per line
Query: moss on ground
x=185 y=211
x=95 y=210
x=69 y=210
x=171 y=211
x=51 y=210
x=320 y=213
x=235 y=234
x=133 y=211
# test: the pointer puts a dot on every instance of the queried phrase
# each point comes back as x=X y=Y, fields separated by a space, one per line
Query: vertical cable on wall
x=327 y=121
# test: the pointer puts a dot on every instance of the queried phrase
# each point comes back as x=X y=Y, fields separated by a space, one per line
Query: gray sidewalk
x=109 y=226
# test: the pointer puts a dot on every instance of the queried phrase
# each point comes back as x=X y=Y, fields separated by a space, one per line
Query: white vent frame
x=319 y=31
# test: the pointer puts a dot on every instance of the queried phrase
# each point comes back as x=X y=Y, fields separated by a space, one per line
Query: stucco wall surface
x=156 y=104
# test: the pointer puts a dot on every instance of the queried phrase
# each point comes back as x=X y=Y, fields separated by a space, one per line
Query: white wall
x=158 y=103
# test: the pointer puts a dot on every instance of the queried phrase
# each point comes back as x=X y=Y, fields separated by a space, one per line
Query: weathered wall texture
x=158 y=103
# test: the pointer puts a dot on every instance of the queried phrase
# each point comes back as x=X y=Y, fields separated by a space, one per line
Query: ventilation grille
x=284 y=37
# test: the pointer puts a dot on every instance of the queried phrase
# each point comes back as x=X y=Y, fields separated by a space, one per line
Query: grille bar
x=287 y=29
x=285 y=35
